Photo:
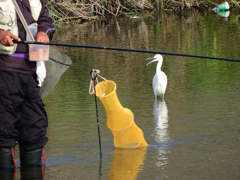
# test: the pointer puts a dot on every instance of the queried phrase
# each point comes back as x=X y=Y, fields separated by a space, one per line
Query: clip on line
x=93 y=74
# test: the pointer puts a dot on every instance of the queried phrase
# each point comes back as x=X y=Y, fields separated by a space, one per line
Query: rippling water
x=193 y=134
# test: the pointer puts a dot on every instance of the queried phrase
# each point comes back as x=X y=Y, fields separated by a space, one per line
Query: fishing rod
x=124 y=49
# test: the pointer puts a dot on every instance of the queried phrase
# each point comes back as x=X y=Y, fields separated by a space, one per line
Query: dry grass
x=81 y=10
x=88 y=10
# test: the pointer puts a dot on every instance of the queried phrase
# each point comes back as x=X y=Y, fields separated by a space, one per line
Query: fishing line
x=125 y=49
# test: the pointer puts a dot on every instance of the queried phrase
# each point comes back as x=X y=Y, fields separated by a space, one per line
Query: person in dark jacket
x=23 y=119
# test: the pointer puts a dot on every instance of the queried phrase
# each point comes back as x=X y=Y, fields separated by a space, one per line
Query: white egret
x=159 y=82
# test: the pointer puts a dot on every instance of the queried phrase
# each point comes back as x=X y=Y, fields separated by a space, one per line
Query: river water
x=193 y=134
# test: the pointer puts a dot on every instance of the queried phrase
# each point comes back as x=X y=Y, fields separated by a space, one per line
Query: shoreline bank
x=85 y=11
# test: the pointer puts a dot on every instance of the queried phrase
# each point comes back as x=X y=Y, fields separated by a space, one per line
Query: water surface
x=193 y=134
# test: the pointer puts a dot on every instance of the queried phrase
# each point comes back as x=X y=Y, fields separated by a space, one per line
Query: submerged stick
x=125 y=49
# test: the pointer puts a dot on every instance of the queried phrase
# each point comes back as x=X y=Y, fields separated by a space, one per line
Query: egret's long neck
x=158 y=68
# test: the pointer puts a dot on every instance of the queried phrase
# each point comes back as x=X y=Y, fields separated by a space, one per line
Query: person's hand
x=6 y=38
x=41 y=37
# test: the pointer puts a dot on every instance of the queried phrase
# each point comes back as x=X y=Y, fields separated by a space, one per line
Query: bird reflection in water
x=127 y=163
x=160 y=113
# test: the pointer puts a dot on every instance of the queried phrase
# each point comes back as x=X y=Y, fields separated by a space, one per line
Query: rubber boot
x=31 y=157
x=6 y=158
x=7 y=168
x=31 y=164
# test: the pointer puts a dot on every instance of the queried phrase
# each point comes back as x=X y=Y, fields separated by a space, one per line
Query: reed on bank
x=86 y=10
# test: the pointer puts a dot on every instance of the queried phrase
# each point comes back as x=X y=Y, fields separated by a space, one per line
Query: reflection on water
x=127 y=163
x=26 y=173
x=160 y=113
x=33 y=173
x=224 y=14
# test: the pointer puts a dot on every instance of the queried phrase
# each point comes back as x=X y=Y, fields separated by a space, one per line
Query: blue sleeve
x=45 y=22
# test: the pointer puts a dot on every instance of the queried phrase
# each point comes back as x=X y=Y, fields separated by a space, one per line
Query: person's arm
x=6 y=38
x=46 y=25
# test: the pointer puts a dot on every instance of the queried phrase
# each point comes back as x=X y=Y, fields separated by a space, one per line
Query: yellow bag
x=120 y=120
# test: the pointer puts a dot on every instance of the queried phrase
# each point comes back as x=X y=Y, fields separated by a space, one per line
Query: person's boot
x=6 y=159
x=7 y=168
x=31 y=157
x=31 y=164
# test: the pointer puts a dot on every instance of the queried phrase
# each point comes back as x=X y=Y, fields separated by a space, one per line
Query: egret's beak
x=154 y=59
